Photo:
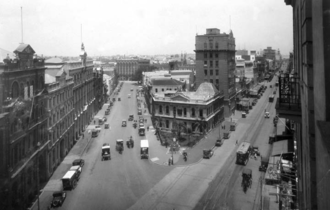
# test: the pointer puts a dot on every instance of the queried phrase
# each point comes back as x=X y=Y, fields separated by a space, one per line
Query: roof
x=206 y=88
x=49 y=78
x=165 y=82
x=68 y=175
x=243 y=148
x=144 y=143
x=106 y=147
x=22 y=47
x=54 y=60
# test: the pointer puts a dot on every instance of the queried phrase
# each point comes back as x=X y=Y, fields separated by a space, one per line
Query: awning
x=280 y=147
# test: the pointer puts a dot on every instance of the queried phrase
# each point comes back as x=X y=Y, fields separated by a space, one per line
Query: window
x=205 y=72
x=211 y=72
x=216 y=63
x=167 y=124
x=193 y=112
x=179 y=112
x=211 y=63
x=216 y=45
x=162 y=89
x=211 y=55
x=216 y=55
x=160 y=109
x=211 y=81
x=205 y=45
x=167 y=110
x=185 y=111
x=217 y=82
x=205 y=55
x=216 y=72
x=201 y=113
x=205 y=63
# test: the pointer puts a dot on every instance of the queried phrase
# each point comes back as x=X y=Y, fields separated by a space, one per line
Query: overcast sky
x=144 y=27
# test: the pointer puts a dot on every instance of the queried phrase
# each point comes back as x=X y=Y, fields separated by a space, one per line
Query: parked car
x=105 y=119
x=58 y=198
x=98 y=128
x=131 y=118
x=78 y=162
x=207 y=153
x=218 y=142
x=106 y=125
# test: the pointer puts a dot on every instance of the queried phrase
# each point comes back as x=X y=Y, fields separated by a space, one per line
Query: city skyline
x=142 y=28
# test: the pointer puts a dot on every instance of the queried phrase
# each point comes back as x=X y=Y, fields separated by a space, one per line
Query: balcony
x=288 y=104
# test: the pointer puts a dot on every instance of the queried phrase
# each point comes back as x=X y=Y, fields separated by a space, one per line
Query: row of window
x=211 y=45
x=180 y=111
x=59 y=98
x=26 y=90
x=211 y=63
x=156 y=89
x=211 y=55
x=211 y=72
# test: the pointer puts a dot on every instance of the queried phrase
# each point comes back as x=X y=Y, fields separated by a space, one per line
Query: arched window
x=167 y=110
x=14 y=90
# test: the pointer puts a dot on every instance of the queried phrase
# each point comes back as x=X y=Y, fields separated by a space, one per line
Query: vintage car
x=134 y=125
x=267 y=114
x=264 y=164
x=131 y=118
x=123 y=123
x=105 y=119
x=119 y=145
x=219 y=142
x=119 y=99
x=58 y=198
x=207 y=153
x=247 y=179
x=106 y=152
x=130 y=143
x=78 y=162
x=243 y=114
x=106 y=126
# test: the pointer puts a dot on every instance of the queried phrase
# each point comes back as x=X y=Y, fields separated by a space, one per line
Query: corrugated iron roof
x=165 y=82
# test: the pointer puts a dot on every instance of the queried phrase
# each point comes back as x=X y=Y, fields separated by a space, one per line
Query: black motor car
x=218 y=142
x=58 y=198
x=78 y=162
x=207 y=153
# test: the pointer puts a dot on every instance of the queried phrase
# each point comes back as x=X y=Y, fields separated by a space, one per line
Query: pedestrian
x=147 y=128
x=169 y=161
x=236 y=142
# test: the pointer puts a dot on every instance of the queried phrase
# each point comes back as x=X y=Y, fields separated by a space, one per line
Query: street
x=225 y=191
x=119 y=182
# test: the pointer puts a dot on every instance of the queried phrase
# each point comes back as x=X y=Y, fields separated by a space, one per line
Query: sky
x=141 y=27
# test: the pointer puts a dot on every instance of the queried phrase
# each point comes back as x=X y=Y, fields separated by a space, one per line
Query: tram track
x=216 y=196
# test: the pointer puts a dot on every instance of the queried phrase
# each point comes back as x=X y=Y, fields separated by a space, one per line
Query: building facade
x=303 y=99
x=60 y=121
x=197 y=111
x=24 y=124
x=126 y=69
x=215 y=63
x=269 y=53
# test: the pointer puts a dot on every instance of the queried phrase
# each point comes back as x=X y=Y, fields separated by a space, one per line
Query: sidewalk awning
x=280 y=147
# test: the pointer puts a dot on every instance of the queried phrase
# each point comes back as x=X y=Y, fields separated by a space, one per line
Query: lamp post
x=38 y=145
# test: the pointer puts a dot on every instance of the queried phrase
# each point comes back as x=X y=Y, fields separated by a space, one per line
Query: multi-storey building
x=24 y=126
x=126 y=69
x=85 y=102
x=59 y=86
x=269 y=53
x=303 y=99
x=215 y=63
x=197 y=111
x=99 y=93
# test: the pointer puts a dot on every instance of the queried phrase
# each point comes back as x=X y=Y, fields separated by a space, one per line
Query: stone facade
x=24 y=126
x=196 y=112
